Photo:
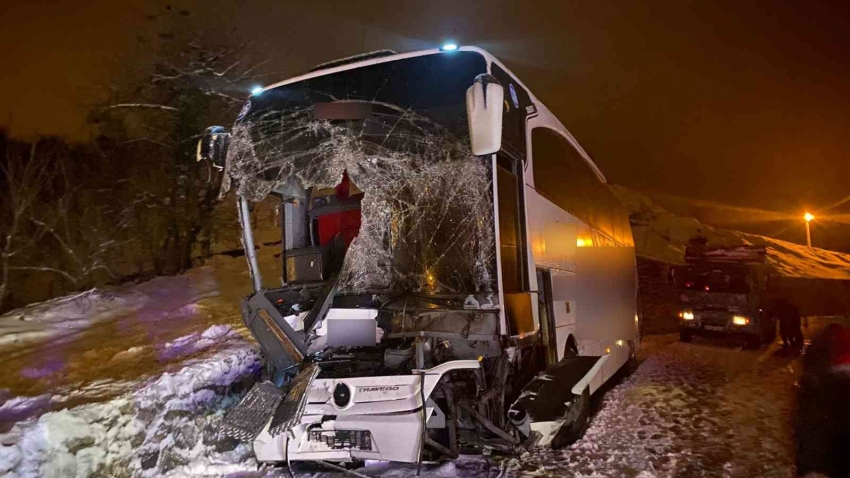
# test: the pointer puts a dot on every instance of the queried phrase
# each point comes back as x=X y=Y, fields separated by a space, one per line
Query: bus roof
x=387 y=56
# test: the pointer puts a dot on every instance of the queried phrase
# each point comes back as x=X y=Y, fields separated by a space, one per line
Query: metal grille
x=713 y=319
x=342 y=439
x=294 y=399
x=246 y=420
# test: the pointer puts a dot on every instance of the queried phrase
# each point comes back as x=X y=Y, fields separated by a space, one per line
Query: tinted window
x=562 y=176
x=513 y=121
x=510 y=226
x=716 y=280
x=433 y=86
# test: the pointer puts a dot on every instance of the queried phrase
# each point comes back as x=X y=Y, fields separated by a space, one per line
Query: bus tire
x=576 y=420
x=684 y=335
x=571 y=347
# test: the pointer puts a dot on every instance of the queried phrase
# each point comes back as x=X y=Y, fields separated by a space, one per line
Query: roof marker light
x=256 y=90
x=449 y=47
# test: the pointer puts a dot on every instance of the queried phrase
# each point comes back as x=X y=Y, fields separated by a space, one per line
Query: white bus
x=455 y=272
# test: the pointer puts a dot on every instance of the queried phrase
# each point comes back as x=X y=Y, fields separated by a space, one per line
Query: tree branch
x=141 y=105
x=149 y=140
x=45 y=269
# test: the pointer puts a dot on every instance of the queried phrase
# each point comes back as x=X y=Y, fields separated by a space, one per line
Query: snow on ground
x=689 y=410
x=701 y=409
x=128 y=381
x=166 y=427
x=100 y=344
x=131 y=382
x=707 y=408
x=662 y=236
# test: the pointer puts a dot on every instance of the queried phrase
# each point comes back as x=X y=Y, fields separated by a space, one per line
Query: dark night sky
x=741 y=103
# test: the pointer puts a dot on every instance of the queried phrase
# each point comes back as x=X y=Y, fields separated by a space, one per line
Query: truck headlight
x=686 y=315
x=740 y=320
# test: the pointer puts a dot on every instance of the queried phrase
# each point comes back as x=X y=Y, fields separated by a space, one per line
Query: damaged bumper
x=343 y=419
x=393 y=437
x=719 y=327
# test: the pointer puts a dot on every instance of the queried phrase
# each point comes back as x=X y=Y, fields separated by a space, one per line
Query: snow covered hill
x=661 y=235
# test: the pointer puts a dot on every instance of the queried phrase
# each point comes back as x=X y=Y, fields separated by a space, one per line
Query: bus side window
x=563 y=176
x=516 y=103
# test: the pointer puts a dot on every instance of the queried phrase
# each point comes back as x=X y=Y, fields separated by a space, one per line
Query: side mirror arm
x=212 y=146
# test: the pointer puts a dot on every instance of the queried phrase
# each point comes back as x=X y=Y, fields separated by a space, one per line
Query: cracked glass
x=398 y=129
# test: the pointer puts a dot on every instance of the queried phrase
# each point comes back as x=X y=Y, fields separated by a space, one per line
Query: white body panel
x=552 y=233
x=388 y=407
x=555 y=238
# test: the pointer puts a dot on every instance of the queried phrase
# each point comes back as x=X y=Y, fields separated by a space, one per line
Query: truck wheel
x=684 y=335
x=575 y=423
x=752 y=342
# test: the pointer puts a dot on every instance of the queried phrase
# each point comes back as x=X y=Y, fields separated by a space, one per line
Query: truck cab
x=722 y=292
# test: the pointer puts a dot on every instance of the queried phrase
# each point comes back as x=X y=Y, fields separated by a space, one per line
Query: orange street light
x=808 y=217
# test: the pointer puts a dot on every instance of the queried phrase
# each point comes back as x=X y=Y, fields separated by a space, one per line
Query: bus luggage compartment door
x=554 y=407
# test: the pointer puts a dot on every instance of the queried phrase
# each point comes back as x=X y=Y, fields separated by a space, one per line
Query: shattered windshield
x=398 y=131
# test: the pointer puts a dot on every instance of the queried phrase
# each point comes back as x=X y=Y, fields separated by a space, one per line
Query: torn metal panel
x=283 y=345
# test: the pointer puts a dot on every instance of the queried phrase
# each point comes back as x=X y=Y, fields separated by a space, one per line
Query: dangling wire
x=424 y=422
x=286 y=456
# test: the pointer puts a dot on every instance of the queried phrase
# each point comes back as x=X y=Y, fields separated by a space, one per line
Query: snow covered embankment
x=662 y=236
x=167 y=427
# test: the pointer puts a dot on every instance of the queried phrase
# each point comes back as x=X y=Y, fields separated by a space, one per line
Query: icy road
x=143 y=397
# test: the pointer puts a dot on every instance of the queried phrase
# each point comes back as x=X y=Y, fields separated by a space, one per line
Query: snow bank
x=45 y=319
x=190 y=344
x=662 y=236
x=69 y=314
x=167 y=427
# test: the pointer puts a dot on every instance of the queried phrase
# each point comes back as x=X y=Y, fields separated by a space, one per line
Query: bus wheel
x=684 y=335
x=571 y=348
x=576 y=420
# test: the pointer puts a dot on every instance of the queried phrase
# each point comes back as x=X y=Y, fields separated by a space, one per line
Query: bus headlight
x=740 y=320
x=686 y=315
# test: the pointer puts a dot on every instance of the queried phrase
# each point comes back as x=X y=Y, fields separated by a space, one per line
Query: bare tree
x=194 y=79
x=134 y=201
x=46 y=229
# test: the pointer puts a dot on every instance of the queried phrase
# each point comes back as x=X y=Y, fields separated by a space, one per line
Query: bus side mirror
x=212 y=146
x=484 y=112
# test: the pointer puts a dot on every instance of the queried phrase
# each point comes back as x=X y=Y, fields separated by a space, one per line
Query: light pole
x=808 y=217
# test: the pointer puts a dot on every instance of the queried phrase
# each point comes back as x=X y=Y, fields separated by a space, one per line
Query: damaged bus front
x=409 y=321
